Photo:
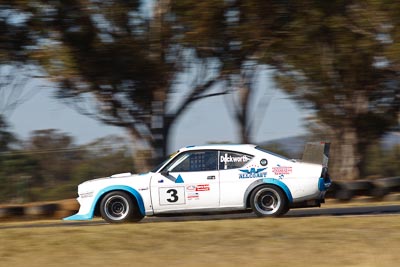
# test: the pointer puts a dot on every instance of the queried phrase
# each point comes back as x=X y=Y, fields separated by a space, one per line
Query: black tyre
x=268 y=201
x=379 y=192
x=284 y=211
x=344 y=194
x=119 y=207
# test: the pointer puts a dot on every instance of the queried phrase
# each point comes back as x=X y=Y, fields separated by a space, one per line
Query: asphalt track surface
x=315 y=212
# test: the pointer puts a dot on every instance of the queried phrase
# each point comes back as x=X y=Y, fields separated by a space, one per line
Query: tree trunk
x=157 y=131
x=141 y=154
x=159 y=126
x=242 y=112
x=345 y=155
x=363 y=147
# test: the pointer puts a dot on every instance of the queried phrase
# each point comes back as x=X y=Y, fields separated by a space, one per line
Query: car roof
x=233 y=147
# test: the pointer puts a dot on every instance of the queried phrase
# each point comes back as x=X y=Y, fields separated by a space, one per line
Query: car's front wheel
x=268 y=200
x=119 y=207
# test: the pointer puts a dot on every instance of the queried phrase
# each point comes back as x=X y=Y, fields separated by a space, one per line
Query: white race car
x=211 y=178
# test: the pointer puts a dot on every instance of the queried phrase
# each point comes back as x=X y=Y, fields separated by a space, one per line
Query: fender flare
x=130 y=190
x=267 y=181
x=101 y=193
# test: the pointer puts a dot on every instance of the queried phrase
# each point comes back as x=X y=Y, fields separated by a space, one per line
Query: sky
x=205 y=121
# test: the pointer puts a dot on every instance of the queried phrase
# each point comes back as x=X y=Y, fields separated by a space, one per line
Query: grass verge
x=312 y=241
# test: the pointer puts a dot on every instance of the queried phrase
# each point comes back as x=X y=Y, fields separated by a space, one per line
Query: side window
x=195 y=161
x=232 y=160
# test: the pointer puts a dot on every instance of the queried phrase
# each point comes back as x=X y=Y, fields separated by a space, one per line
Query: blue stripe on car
x=322 y=185
x=90 y=214
x=281 y=185
x=79 y=217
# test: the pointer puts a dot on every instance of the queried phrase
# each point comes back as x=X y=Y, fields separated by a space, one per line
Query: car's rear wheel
x=268 y=201
x=119 y=207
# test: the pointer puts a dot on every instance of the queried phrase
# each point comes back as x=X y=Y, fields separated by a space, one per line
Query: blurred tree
x=15 y=31
x=14 y=89
x=6 y=137
x=337 y=59
x=16 y=173
x=56 y=155
x=100 y=158
x=124 y=64
x=382 y=162
x=48 y=166
x=55 y=165
x=16 y=36
x=231 y=33
x=15 y=169
x=104 y=157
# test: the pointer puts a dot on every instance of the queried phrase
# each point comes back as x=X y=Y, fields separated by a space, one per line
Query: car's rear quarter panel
x=303 y=183
x=301 y=178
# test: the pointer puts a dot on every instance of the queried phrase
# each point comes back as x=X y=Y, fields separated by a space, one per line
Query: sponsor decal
x=279 y=170
x=198 y=188
x=191 y=187
x=228 y=159
x=203 y=187
x=179 y=180
x=253 y=173
x=87 y=194
x=143 y=189
x=193 y=196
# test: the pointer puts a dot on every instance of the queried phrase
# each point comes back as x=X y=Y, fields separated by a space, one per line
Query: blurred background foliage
x=48 y=166
x=121 y=62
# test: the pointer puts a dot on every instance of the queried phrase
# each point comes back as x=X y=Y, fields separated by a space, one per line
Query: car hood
x=114 y=176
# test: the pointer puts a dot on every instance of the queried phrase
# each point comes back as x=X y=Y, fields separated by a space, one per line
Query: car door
x=236 y=173
x=190 y=182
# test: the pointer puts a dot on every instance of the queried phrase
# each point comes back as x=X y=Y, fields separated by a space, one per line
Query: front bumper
x=85 y=210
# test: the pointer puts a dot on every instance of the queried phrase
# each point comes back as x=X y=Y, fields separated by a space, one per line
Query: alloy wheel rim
x=267 y=201
x=116 y=207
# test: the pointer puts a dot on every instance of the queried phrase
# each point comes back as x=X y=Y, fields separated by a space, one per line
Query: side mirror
x=164 y=173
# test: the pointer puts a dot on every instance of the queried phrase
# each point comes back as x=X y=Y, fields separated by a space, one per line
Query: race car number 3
x=172 y=195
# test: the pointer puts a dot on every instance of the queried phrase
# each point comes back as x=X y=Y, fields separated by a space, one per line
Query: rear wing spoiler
x=317 y=152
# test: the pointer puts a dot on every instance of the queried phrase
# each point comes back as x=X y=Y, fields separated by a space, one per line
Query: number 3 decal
x=174 y=195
